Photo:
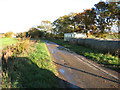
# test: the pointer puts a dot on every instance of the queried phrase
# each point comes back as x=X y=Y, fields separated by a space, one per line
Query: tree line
x=97 y=20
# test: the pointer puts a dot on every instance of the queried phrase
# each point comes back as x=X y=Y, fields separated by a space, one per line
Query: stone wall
x=98 y=44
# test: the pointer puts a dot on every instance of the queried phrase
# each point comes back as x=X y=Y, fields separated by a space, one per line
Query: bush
x=8 y=34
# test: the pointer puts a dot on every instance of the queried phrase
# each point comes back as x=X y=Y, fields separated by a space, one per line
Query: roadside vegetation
x=106 y=59
x=28 y=65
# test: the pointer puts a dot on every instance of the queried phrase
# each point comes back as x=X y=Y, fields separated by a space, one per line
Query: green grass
x=100 y=57
x=114 y=36
x=33 y=69
x=117 y=36
x=7 y=41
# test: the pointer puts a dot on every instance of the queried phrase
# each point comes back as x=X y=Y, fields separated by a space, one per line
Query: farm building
x=68 y=36
x=13 y=36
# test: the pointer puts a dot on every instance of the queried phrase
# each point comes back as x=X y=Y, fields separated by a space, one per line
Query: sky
x=20 y=15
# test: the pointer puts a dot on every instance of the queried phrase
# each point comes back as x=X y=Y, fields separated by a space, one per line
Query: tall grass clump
x=22 y=45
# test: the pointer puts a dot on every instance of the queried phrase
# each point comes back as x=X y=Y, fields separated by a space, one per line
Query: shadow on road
x=24 y=73
x=117 y=81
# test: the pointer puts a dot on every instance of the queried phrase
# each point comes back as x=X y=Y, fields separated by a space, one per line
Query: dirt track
x=81 y=72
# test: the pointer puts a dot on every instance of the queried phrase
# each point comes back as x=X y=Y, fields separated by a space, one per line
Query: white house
x=13 y=36
x=68 y=36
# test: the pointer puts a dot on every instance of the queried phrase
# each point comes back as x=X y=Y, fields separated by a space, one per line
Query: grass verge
x=31 y=69
x=105 y=59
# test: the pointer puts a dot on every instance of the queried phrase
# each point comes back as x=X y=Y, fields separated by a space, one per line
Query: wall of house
x=80 y=35
x=68 y=36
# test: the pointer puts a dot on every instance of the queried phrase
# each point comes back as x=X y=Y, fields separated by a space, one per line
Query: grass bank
x=105 y=59
x=30 y=69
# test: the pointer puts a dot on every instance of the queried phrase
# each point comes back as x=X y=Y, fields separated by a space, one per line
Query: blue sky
x=20 y=15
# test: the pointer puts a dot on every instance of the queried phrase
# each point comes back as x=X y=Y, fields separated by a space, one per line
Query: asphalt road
x=81 y=72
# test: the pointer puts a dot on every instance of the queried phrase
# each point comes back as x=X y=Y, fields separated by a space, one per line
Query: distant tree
x=114 y=12
x=8 y=34
x=34 y=33
x=19 y=35
x=64 y=24
x=79 y=23
x=106 y=16
x=46 y=26
x=85 y=20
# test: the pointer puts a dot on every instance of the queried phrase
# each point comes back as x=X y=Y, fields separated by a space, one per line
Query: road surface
x=81 y=72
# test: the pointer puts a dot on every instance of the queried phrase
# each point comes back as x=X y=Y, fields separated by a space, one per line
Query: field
x=108 y=36
x=32 y=68
x=106 y=59
x=7 y=41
